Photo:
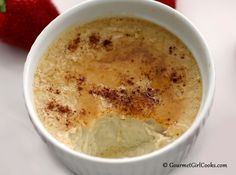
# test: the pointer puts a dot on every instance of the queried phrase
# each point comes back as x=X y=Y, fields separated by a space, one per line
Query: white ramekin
x=165 y=16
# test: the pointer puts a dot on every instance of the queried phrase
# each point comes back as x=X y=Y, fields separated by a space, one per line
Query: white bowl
x=165 y=16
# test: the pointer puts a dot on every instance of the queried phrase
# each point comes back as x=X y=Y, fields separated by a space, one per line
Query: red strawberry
x=21 y=21
x=171 y=3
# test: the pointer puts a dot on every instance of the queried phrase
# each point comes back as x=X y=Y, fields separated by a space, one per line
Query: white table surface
x=22 y=151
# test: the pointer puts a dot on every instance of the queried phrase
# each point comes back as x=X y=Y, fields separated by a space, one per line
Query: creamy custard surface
x=117 y=87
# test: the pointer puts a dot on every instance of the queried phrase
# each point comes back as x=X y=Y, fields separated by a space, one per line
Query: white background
x=22 y=152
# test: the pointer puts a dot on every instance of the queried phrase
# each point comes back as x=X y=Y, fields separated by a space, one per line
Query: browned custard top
x=123 y=66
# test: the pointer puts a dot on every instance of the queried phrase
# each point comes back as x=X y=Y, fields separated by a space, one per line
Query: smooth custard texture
x=117 y=87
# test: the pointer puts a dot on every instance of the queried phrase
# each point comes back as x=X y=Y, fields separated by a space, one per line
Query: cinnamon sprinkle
x=52 y=105
x=73 y=45
x=107 y=44
x=94 y=39
x=52 y=90
x=131 y=103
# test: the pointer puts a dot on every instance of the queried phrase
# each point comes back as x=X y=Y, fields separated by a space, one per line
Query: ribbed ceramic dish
x=150 y=164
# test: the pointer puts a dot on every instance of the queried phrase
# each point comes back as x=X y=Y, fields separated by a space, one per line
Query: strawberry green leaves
x=2 y=6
